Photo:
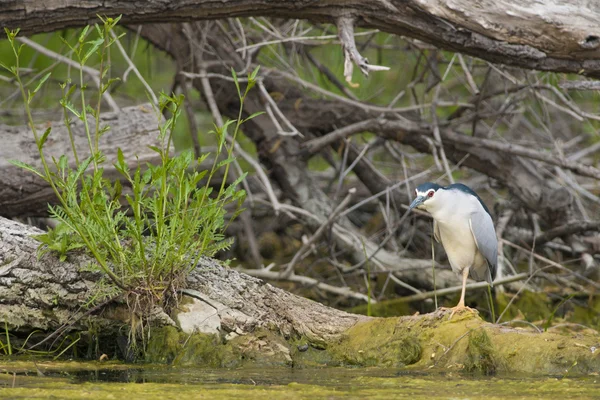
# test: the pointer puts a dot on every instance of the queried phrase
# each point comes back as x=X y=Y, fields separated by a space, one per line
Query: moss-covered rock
x=466 y=342
x=379 y=342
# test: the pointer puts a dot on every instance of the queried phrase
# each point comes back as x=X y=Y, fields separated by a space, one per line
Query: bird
x=464 y=226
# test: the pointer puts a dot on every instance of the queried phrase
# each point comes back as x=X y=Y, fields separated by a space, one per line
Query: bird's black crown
x=424 y=187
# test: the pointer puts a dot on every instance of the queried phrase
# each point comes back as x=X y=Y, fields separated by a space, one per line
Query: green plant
x=172 y=216
x=548 y=322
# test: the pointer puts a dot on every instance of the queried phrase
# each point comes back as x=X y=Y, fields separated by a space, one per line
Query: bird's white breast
x=452 y=218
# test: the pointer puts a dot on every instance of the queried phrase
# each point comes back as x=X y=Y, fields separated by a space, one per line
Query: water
x=72 y=380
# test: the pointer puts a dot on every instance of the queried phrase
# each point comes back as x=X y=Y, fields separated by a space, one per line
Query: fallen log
x=23 y=194
x=553 y=37
x=226 y=318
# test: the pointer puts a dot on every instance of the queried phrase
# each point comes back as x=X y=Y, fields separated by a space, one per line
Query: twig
x=251 y=238
x=457 y=289
x=470 y=80
x=303 y=39
x=529 y=277
x=553 y=263
x=305 y=280
x=134 y=68
x=580 y=85
x=289 y=270
x=518 y=321
x=500 y=228
x=364 y=106
x=436 y=134
x=280 y=114
x=315 y=145
x=346 y=34
x=94 y=74
x=189 y=110
x=518 y=150
x=212 y=104
x=567 y=229
x=330 y=75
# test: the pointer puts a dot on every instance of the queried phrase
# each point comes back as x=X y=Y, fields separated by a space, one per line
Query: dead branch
x=556 y=37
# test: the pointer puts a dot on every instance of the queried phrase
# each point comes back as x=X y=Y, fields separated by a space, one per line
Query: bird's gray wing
x=482 y=228
x=436 y=231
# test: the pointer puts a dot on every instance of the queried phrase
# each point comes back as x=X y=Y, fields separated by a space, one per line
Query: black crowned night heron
x=464 y=226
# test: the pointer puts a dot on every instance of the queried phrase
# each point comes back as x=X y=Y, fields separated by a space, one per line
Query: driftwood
x=23 y=194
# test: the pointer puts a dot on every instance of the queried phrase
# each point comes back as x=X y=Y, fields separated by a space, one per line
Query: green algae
x=468 y=343
x=168 y=345
x=481 y=356
x=380 y=342
x=154 y=382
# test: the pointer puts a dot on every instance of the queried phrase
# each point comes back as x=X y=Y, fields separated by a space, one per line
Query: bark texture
x=46 y=293
x=23 y=194
x=551 y=35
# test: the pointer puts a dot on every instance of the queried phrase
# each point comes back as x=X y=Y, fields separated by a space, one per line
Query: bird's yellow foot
x=459 y=308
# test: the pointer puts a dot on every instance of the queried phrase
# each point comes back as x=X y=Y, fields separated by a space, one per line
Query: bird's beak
x=417 y=202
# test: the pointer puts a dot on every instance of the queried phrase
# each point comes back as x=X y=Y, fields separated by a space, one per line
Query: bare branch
x=346 y=34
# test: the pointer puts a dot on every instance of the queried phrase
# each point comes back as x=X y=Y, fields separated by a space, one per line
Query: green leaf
x=82 y=167
x=83 y=34
x=254 y=73
x=121 y=159
x=156 y=149
x=94 y=45
x=71 y=89
x=228 y=160
x=6 y=67
x=90 y=110
x=117 y=190
x=27 y=167
x=63 y=162
x=69 y=106
x=103 y=130
x=41 y=82
x=44 y=137
x=256 y=114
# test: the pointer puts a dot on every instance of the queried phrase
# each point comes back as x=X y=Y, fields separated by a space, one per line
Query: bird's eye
x=430 y=193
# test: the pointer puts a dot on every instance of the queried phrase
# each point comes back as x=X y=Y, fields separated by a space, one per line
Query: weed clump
x=480 y=353
x=144 y=242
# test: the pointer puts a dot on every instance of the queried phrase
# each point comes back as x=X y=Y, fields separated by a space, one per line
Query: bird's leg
x=461 y=303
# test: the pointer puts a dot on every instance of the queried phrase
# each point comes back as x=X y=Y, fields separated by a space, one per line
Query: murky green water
x=71 y=380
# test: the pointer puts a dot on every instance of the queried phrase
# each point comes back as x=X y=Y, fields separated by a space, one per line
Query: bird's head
x=425 y=196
